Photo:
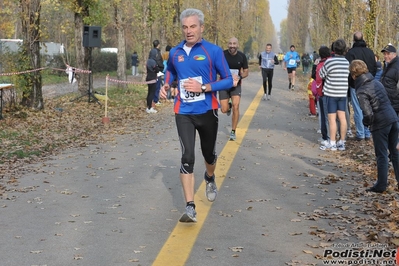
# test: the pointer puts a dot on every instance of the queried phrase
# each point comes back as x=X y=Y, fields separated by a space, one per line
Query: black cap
x=389 y=48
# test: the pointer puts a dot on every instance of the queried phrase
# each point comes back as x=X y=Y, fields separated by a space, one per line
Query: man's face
x=292 y=49
x=388 y=56
x=268 y=48
x=192 y=30
x=233 y=46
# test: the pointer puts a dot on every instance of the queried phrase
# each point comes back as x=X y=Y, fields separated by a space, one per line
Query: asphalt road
x=117 y=203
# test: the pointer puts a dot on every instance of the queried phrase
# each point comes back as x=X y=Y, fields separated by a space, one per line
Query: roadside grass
x=26 y=133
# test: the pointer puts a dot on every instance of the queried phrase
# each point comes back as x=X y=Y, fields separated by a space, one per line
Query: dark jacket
x=390 y=79
x=152 y=69
x=135 y=59
x=360 y=51
x=373 y=100
x=155 y=54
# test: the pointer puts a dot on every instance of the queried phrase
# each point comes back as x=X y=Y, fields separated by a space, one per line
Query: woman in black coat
x=381 y=118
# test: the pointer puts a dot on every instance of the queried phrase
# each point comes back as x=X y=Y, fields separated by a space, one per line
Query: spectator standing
x=155 y=54
x=312 y=93
x=238 y=65
x=390 y=75
x=291 y=60
x=267 y=60
x=201 y=70
x=152 y=70
x=306 y=61
x=165 y=57
x=135 y=63
x=382 y=119
x=335 y=72
x=360 y=51
x=325 y=53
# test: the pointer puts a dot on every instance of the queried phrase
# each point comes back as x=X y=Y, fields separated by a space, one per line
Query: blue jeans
x=361 y=131
x=386 y=139
x=156 y=96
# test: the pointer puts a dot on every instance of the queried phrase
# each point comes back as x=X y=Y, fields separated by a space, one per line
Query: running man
x=291 y=60
x=196 y=63
x=238 y=65
x=267 y=60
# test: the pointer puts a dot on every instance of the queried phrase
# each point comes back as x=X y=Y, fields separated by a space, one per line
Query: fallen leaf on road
x=236 y=249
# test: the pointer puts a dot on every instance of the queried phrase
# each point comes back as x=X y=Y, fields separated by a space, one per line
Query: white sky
x=278 y=12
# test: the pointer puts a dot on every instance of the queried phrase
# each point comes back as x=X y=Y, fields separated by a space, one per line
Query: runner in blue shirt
x=201 y=70
x=291 y=60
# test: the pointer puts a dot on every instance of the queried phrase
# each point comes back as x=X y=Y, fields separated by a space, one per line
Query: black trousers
x=267 y=76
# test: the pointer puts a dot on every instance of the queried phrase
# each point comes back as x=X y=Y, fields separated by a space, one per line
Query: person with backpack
x=151 y=78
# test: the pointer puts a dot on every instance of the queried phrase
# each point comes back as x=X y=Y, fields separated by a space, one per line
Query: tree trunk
x=32 y=92
x=145 y=41
x=121 y=47
x=82 y=53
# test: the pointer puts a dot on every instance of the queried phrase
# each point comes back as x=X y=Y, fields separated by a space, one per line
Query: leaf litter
x=364 y=216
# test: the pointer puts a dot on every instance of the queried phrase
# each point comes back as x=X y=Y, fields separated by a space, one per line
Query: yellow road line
x=178 y=246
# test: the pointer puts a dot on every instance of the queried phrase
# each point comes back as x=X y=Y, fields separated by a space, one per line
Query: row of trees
x=132 y=25
x=126 y=24
x=312 y=23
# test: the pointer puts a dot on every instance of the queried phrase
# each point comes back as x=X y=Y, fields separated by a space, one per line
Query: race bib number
x=188 y=96
x=292 y=62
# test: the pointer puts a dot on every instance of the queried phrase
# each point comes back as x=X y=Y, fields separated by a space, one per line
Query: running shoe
x=191 y=213
x=264 y=97
x=211 y=190
x=269 y=97
x=232 y=136
x=326 y=145
x=151 y=111
x=324 y=142
x=341 y=145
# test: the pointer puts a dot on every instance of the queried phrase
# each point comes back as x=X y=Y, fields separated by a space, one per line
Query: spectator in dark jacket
x=360 y=51
x=379 y=115
x=390 y=75
x=155 y=54
x=135 y=62
x=152 y=70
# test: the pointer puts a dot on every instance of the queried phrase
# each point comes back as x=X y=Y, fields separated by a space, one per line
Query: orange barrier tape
x=132 y=82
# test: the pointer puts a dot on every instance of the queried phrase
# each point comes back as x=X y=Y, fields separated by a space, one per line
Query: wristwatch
x=203 y=88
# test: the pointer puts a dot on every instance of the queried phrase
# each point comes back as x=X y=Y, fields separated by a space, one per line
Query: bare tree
x=82 y=53
x=30 y=16
x=120 y=28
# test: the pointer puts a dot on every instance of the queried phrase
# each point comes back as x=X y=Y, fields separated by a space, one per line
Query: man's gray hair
x=192 y=12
